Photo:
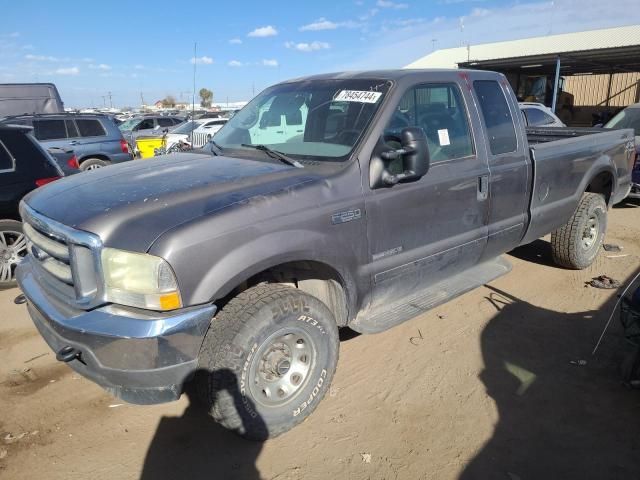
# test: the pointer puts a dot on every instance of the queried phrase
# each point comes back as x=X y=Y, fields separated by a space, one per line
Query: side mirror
x=414 y=155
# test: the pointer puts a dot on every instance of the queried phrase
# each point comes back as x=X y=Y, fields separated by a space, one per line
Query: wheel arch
x=602 y=182
x=315 y=277
x=99 y=156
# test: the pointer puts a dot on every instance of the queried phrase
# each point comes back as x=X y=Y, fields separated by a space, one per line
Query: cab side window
x=497 y=117
x=438 y=109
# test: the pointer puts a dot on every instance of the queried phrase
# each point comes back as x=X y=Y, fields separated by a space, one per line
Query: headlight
x=139 y=280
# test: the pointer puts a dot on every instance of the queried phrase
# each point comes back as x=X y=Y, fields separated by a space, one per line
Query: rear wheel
x=13 y=247
x=267 y=360
x=93 y=164
x=576 y=244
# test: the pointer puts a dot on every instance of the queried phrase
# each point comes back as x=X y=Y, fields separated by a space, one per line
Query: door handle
x=73 y=142
x=483 y=187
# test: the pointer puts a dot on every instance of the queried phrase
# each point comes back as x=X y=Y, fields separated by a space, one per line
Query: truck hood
x=129 y=205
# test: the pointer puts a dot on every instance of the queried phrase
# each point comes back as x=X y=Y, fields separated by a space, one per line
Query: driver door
x=424 y=231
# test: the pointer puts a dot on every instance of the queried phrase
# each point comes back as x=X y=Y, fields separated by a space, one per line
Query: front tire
x=267 y=360
x=576 y=244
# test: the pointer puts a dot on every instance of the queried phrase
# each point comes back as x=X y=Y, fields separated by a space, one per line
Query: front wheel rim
x=281 y=367
x=590 y=232
x=13 y=247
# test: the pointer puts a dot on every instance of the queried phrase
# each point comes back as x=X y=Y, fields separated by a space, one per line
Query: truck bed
x=536 y=135
x=562 y=160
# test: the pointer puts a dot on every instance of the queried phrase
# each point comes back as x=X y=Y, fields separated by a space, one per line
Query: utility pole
x=104 y=100
x=110 y=100
x=193 y=97
x=142 y=100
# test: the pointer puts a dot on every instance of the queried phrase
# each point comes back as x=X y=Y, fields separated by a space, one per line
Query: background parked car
x=24 y=166
x=206 y=130
x=147 y=125
x=95 y=139
x=630 y=118
x=539 y=115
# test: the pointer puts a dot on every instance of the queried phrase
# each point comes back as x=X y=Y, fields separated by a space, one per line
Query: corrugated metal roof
x=550 y=44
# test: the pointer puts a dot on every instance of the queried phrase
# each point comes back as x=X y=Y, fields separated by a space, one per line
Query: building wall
x=591 y=90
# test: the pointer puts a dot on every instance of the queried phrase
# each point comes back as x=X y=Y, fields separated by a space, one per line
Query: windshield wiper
x=274 y=154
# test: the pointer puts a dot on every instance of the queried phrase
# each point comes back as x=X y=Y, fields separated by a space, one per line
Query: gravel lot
x=498 y=384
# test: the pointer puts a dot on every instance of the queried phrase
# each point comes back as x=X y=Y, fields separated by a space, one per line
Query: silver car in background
x=539 y=115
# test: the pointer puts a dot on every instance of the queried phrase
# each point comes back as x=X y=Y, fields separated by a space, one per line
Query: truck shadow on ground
x=563 y=414
x=194 y=447
x=628 y=203
x=538 y=251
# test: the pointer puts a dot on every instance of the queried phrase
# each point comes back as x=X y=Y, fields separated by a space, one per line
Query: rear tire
x=576 y=244
x=93 y=164
x=267 y=360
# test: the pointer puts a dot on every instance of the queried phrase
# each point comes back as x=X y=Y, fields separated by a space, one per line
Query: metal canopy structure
x=606 y=51
x=596 y=61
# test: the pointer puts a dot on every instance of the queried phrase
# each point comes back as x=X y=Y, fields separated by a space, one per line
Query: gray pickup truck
x=350 y=199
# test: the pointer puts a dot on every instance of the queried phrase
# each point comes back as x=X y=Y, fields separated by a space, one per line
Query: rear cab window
x=89 y=127
x=497 y=117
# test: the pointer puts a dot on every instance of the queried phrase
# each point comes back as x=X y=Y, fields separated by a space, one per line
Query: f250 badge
x=346 y=216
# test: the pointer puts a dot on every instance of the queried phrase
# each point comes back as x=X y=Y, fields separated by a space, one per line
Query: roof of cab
x=379 y=74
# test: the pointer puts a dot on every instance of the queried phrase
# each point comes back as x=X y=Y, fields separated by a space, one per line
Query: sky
x=133 y=49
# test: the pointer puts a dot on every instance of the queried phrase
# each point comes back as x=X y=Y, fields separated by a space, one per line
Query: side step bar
x=431 y=297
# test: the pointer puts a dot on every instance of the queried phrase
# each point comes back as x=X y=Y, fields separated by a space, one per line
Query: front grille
x=51 y=253
x=68 y=260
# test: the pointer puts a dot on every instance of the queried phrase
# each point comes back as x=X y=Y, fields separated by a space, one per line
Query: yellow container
x=147 y=145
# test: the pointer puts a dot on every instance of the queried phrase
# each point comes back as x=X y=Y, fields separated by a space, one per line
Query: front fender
x=270 y=250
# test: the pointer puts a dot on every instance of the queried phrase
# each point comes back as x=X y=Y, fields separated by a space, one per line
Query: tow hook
x=20 y=299
x=68 y=353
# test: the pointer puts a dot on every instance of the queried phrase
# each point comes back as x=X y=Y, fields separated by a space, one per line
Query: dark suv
x=24 y=166
x=95 y=139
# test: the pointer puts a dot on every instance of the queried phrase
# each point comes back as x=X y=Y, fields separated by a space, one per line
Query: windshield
x=128 y=124
x=318 y=119
x=627 y=118
x=185 y=128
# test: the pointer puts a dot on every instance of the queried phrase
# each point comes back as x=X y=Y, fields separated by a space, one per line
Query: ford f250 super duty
x=349 y=199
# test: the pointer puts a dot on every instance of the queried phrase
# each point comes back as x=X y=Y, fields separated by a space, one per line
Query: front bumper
x=139 y=356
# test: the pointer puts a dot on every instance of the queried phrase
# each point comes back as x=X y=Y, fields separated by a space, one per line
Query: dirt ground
x=498 y=384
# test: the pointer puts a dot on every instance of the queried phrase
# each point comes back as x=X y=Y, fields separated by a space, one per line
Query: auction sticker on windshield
x=361 y=96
